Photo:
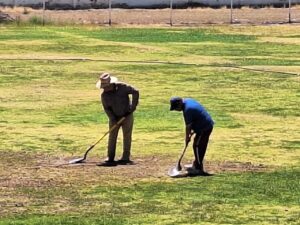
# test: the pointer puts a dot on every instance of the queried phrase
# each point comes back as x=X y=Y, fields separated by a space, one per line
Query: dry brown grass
x=189 y=16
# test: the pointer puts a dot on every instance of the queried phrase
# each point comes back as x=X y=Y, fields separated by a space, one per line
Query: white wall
x=242 y=2
x=139 y=3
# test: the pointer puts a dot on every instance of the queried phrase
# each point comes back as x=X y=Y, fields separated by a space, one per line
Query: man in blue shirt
x=198 y=121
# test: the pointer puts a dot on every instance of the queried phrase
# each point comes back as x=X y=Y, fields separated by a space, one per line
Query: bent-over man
x=198 y=121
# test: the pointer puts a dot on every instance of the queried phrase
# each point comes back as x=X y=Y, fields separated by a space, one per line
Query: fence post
x=231 y=6
x=74 y=4
x=171 y=12
x=44 y=7
x=109 y=12
x=290 y=20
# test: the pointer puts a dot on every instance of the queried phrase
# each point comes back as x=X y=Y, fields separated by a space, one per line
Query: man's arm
x=108 y=110
x=110 y=114
x=135 y=97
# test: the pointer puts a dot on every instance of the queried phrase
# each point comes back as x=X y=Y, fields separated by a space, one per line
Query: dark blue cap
x=174 y=102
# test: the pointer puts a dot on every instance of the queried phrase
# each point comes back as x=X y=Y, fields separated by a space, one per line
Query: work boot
x=196 y=170
x=192 y=171
x=107 y=162
x=125 y=162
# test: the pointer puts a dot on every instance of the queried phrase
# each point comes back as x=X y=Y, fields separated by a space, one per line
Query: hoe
x=82 y=159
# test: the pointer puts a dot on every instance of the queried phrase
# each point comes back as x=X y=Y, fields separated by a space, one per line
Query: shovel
x=175 y=171
x=82 y=159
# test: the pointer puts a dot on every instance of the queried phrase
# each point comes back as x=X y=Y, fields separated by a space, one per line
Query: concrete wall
x=138 y=3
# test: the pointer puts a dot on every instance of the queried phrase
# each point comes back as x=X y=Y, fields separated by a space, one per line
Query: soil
x=190 y=16
x=38 y=170
x=24 y=175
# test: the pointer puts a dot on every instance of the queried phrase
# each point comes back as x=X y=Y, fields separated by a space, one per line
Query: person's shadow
x=116 y=163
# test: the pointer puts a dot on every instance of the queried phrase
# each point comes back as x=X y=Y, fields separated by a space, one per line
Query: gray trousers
x=127 y=126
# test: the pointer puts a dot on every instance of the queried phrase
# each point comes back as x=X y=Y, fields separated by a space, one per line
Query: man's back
x=194 y=113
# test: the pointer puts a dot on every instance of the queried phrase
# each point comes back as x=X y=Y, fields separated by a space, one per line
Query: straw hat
x=105 y=80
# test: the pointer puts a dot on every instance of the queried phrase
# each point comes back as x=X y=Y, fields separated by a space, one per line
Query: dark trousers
x=200 y=146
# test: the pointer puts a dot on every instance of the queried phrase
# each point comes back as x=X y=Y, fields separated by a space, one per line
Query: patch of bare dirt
x=190 y=16
x=26 y=177
x=21 y=170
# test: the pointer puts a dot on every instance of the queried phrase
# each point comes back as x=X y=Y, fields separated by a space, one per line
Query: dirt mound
x=4 y=17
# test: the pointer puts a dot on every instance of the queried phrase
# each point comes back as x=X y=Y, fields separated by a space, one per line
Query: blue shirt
x=196 y=115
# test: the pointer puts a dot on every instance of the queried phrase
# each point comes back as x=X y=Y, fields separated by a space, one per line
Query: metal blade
x=80 y=160
x=174 y=172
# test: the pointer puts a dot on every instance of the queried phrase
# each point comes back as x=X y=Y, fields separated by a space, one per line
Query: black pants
x=200 y=146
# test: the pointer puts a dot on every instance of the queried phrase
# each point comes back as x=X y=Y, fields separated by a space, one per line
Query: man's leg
x=197 y=164
x=127 y=127
x=112 y=142
x=200 y=146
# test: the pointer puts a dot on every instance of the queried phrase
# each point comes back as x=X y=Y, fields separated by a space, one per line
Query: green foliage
x=36 y=20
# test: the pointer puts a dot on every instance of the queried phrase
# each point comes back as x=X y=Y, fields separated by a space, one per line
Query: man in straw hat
x=117 y=104
x=198 y=121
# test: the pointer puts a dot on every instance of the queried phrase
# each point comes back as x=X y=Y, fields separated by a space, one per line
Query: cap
x=175 y=102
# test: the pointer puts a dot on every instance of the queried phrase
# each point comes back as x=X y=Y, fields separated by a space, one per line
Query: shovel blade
x=80 y=160
x=174 y=172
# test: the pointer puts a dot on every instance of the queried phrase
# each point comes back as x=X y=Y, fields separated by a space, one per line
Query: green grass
x=50 y=112
x=224 y=199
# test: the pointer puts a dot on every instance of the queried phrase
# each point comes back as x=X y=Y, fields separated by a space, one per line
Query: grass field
x=246 y=76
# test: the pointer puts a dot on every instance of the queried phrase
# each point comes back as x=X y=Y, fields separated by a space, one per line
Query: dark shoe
x=125 y=162
x=109 y=160
x=192 y=171
x=107 y=163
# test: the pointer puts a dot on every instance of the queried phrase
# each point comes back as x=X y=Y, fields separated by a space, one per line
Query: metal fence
x=232 y=12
